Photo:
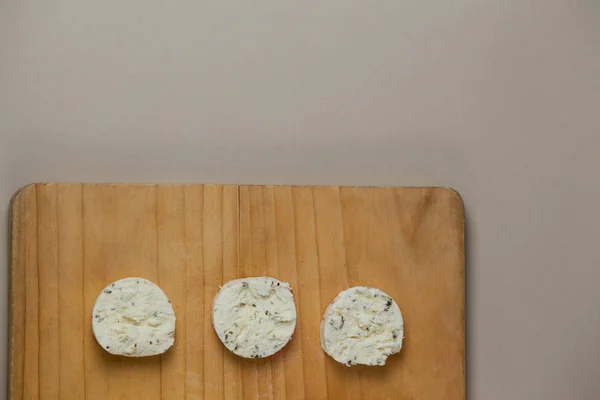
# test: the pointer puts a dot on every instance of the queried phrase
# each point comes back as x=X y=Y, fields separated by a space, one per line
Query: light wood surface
x=70 y=240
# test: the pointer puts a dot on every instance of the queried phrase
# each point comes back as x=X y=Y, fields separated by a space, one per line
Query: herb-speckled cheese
x=254 y=317
x=133 y=317
x=362 y=325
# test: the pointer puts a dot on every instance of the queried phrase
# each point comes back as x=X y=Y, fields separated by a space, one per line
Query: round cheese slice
x=254 y=317
x=133 y=317
x=362 y=325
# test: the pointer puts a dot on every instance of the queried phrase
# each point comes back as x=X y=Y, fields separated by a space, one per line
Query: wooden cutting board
x=70 y=240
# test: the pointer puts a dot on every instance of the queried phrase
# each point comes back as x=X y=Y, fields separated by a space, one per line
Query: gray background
x=497 y=99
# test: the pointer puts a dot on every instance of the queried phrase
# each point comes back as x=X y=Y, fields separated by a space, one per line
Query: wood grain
x=70 y=240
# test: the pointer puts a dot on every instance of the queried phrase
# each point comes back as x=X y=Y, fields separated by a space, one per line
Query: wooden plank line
x=57 y=277
x=18 y=219
x=314 y=212
x=343 y=237
x=83 y=286
x=24 y=314
x=222 y=261
x=13 y=337
x=48 y=296
x=262 y=236
x=239 y=219
x=274 y=226
x=293 y=204
x=232 y=363
x=203 y=273
x=341 y=381
x=70 y=279
x=160 y=362
x=249 y=369
x=222 y=222
x=277 y=363
x=32 y=344
x=37 y=216
x=239 y=270
x=194 y=284
x=286 y=258
x=14 y=221
x=204 y=291
x=349 y=280
x=310 y=281
x=184 y=308
x=213 y=265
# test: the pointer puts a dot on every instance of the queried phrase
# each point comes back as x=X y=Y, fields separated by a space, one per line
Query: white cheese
x=133 y=317
x=254 y=317
x=362 y=325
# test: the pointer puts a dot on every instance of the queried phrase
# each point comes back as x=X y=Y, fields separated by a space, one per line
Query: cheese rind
x=254 y=317
x=133 y=317
x=362 y=325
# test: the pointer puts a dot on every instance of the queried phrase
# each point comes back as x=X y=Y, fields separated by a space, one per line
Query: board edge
x=14 y=221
